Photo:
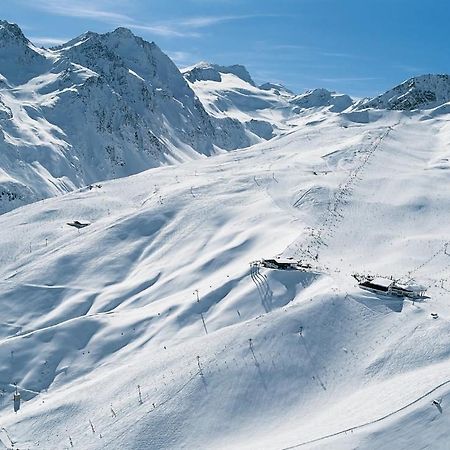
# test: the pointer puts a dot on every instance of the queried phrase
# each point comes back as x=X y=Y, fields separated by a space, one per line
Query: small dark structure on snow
x=16 y=399
x=286 y=264
x=78 y=224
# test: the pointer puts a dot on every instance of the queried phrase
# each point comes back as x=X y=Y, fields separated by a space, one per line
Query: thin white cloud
x=207 y=21
x=162 y=30
x=338 y=55
x=107 y=11
x=47 y=41
x=186 y=27
x=103 y=11
x=345 y=79
x=289 y=47
x=181 y=59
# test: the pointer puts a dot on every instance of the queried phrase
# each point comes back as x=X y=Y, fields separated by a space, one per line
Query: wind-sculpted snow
x=276 y=87
x=148 y=328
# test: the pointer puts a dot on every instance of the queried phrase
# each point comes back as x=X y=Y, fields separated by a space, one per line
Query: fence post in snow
x=204 y=324
x=16 y=399
x=200 y=371
x=140 y=395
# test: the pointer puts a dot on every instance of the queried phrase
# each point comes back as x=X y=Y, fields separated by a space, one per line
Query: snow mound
x=204 y=71
x=318 y=98
x=279 y=88
x=422 y=92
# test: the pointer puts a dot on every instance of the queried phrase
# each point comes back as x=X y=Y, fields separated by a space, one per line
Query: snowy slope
x=294 y=359
x=99 y=107
x=266 y=110
x=230 y=92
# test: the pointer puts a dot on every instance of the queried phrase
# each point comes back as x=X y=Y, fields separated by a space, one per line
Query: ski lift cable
x=442 y=250
x=344 y=190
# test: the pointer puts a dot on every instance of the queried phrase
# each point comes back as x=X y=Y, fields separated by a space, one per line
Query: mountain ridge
x=419 y=92
x=109 y=105
x=101 y=106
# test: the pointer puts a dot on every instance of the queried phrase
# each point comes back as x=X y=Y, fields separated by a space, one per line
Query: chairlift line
x=442 y=250
x=333 y=212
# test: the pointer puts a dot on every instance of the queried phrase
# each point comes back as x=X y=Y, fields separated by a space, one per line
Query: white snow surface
x=284 y=360
x=266 y=110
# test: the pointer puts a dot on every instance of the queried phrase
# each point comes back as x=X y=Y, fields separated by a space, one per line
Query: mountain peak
x=20 y=60
x=238 y=70
x=420 y=92
x=123 y=32
x=204 y=71
x=320 y=97
x=11 y=32
x=276 y=87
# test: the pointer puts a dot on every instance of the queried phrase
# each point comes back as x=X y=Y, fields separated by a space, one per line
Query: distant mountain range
x=110 y=105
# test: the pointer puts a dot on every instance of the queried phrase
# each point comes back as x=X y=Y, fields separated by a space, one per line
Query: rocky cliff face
x=423 y=92
x=99 y=107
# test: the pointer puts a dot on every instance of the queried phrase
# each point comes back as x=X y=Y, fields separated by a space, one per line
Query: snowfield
x=147 y=330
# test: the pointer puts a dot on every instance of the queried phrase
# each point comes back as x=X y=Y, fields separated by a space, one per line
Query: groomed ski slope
x=298 y=361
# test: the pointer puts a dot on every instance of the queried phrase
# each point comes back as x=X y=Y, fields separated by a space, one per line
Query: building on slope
x=388 y=286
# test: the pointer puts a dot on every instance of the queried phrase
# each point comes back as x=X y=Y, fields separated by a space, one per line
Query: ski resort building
x=390 y=287
x=285 y=264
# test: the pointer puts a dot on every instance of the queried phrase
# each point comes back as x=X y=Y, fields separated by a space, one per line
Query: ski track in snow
x=372 y=422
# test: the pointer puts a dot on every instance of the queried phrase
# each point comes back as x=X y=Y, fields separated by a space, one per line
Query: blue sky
x=360 y=47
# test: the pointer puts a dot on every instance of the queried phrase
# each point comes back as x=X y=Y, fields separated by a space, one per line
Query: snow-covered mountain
x=147 y=329
x=319 y=98
x=104 y=106
x=422 y=92
x=204 y=71
x=267 y=110
x=132 y=313
x=231 y=92
x=101 y=106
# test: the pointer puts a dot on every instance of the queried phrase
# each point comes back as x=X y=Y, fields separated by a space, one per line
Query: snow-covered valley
x=148 y=328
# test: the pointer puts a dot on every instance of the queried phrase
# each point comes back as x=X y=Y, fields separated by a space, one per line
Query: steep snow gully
x=152 y=327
